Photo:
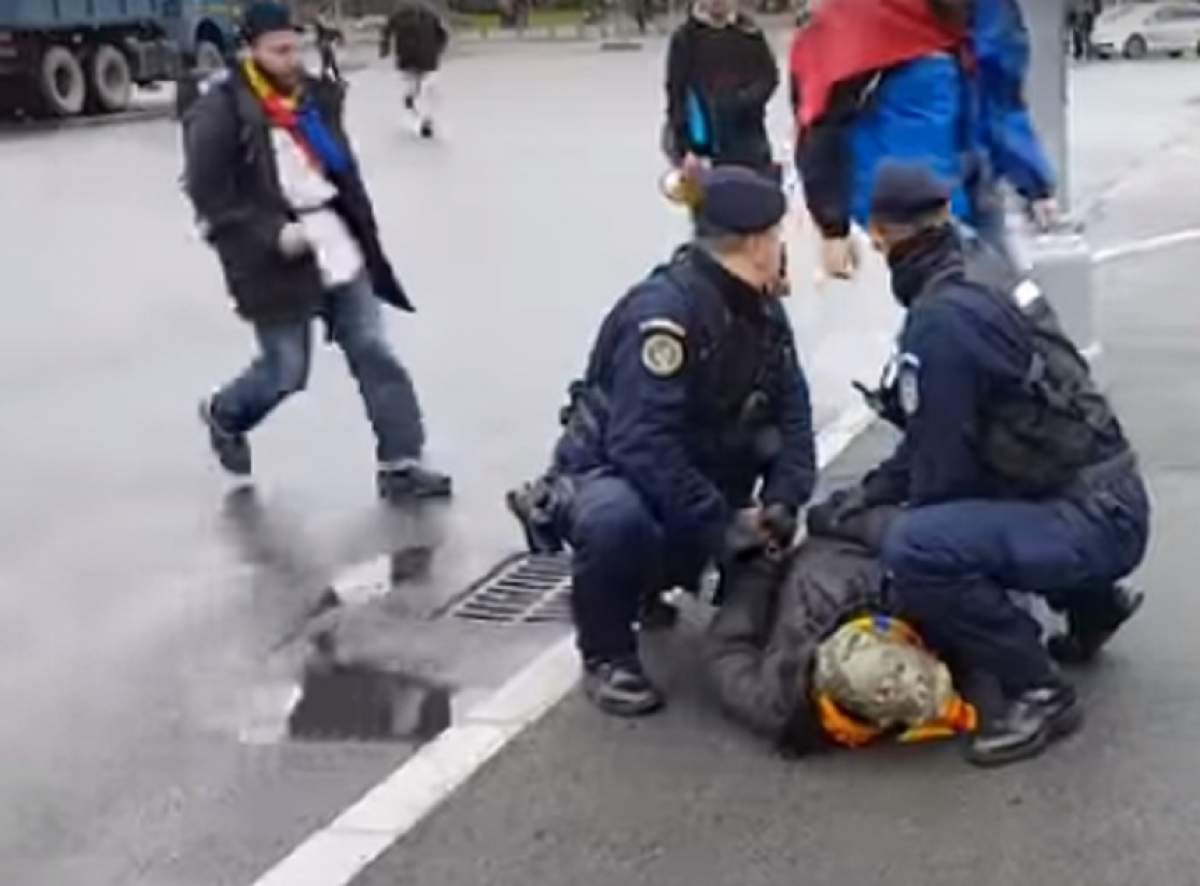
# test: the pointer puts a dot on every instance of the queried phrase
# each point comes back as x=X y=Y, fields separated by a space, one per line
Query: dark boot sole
x=1058 y=728
x=626 y=711
x=1069 y=649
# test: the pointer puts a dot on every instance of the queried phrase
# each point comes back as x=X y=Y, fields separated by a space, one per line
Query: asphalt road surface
x=139 y=603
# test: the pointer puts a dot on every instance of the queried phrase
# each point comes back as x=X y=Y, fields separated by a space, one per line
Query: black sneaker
x=621 y=688
x=1027 y=727
x=426 y=129
x=231 y=450
x=410 y=482
x=527 y=504
x=1092 y=625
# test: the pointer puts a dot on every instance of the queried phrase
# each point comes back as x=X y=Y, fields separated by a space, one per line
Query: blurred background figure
x=720 y=75
x=1081 y=22
x=328 y=36
x=416 y=37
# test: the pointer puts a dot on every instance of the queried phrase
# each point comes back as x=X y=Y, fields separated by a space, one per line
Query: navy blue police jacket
x=960 y=350
x=665 y=396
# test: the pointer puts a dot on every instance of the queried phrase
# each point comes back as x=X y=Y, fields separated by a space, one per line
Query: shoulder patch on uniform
x=662 y=354
x=662 y=324
x=908 y=383
x=1026 y=293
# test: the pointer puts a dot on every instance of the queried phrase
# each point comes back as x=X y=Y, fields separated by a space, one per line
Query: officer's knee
x=616 y=525
x=900 y=551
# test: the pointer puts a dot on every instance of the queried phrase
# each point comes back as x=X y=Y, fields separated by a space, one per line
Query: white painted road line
x=1141 y=247
x=336 y=854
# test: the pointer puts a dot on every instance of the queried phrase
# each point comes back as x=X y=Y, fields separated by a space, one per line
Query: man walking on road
x=278 y=194
x=720 y=75
x=416 y=36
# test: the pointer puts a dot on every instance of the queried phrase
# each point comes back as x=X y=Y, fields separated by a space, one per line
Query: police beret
x=739 y=201
x=266 y=18
x=905 y=191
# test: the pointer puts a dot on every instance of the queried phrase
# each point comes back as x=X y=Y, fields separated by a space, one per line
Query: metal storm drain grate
x=528 y=589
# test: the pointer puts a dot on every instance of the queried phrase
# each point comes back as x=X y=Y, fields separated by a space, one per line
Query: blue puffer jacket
x=968 y=120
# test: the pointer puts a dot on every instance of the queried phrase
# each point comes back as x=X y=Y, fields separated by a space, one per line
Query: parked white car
x=1138 y=29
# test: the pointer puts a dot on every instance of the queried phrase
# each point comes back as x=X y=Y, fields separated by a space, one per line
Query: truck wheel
x=110 y=80
x=61 y=80
x=209 y=57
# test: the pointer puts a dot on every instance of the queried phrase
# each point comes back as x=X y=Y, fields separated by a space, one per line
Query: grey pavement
x=139 y=604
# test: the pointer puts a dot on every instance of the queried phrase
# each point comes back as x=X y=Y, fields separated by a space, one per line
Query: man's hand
x=1045 y=213
x=293 y=240
x=745 y=535
x=840 y=256
x=692 y=165
x=780 y=523
x=844 y=504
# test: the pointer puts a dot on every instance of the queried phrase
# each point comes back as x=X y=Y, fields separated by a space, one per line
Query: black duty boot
x=621 y=688
x=231 y=450
x=1028 y=725
x=656 y=614
x=426 y=129
x=1093 y=623
x=531 y=505
x=410 y=481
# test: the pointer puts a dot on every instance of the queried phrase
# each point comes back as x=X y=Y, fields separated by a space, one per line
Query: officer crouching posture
x=693 y=396
x=1015 y=472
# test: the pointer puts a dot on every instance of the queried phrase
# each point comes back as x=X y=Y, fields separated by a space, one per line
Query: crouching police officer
x=689 y=437
x=1015 y=472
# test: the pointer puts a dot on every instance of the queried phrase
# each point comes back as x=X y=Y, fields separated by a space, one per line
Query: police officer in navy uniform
x=688 y=440
x=1015 y=473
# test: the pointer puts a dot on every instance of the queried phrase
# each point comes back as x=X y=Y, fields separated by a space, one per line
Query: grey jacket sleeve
x=744 y=665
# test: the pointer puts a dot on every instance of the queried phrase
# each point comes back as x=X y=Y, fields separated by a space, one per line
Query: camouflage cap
x=876 y=669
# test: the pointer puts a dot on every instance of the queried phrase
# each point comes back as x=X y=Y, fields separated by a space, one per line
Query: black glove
x=780 y=523
x=884 y=402
x=827 y=517
x=745 y=536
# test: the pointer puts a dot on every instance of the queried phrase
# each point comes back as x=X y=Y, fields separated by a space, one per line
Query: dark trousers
x=953 y=564
x=621 y=554
x=353 y=315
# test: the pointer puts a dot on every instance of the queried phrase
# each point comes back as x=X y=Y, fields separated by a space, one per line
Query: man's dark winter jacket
x=732 y=71
x=233 y=182
x=417 y=36
x=762 y=645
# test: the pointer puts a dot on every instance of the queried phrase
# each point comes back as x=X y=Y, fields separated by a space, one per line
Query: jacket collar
x=924 y=262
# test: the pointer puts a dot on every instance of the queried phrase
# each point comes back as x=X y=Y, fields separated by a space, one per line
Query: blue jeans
x=953 y=564
x=621 y=554
x=353 y=316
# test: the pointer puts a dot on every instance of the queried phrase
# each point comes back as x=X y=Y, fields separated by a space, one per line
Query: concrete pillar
x=1047 y=88
x=1062 y=262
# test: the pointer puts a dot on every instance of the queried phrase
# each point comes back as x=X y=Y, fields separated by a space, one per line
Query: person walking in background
x=720 y=75
x=328 y=35
x=278 y=194
x=416 y=37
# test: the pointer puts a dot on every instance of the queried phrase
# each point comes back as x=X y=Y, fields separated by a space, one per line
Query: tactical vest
x=1036 y=444
x=738 y=368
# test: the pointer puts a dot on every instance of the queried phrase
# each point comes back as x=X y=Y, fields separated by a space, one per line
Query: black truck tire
x=110 y=79
x=61 y=82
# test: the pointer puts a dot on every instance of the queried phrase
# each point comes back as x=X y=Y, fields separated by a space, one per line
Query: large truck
x=61 y=58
